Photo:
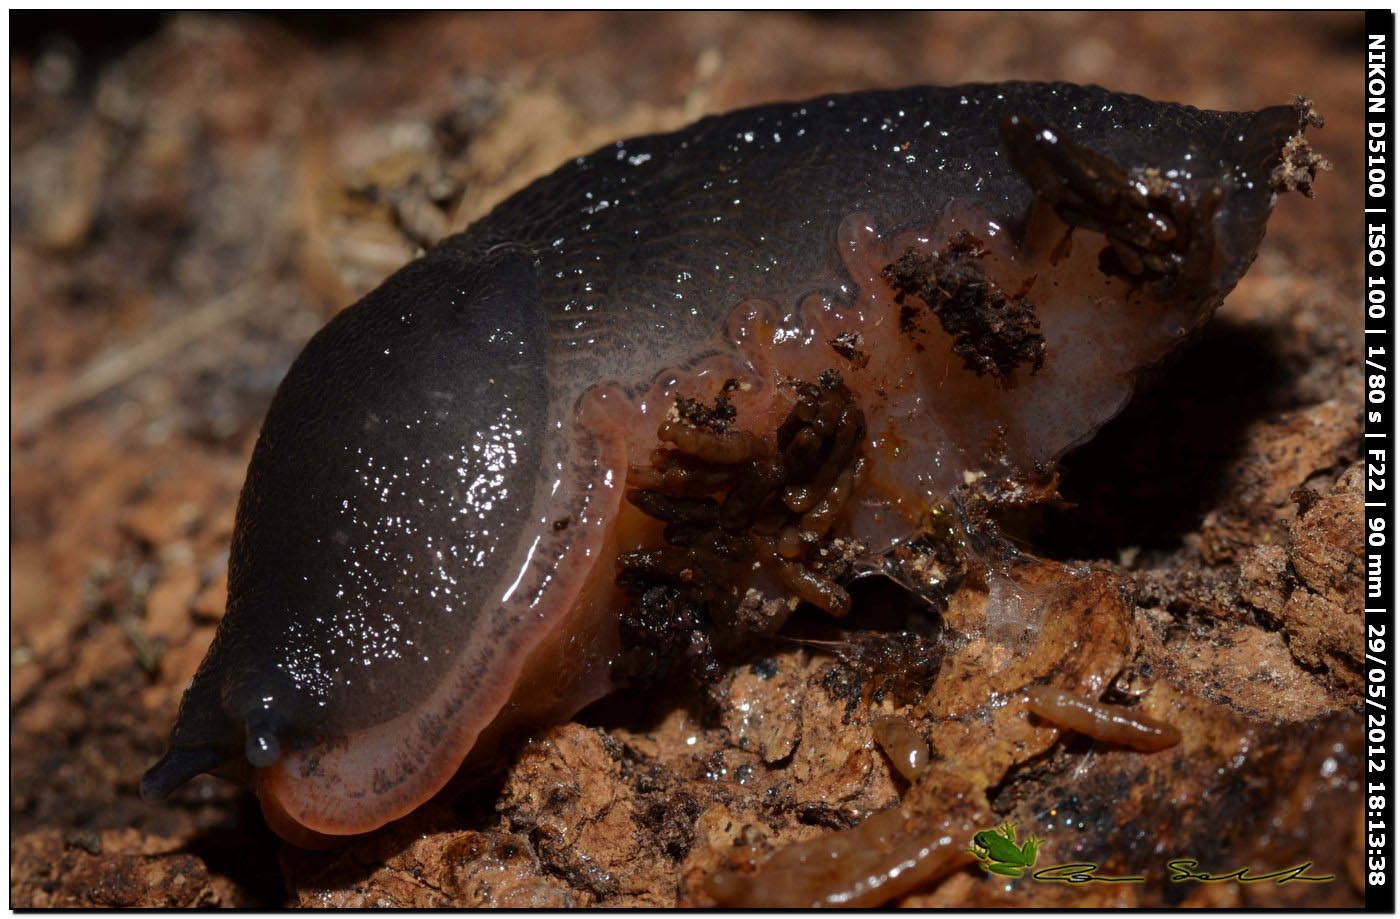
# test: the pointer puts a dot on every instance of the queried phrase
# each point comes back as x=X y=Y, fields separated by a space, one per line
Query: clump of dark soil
x=993 y=332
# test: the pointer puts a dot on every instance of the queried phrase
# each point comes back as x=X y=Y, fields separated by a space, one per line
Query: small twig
x=109 y=372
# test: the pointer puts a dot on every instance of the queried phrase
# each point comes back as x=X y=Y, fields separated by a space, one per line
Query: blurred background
x=192 y=195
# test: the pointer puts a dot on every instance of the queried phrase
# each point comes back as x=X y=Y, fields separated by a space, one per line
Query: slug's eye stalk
x=262 y=747
x=215 y=749
x=176 y=767
x=257 y=706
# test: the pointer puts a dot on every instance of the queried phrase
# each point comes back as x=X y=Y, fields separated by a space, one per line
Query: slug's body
x=427 y=543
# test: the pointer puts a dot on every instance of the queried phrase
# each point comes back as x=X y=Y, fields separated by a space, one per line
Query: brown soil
x=189 y=207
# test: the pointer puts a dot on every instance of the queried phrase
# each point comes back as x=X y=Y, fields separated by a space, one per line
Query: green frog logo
x=997 y=851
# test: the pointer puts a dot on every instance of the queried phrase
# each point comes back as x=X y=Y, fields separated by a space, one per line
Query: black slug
x=662 y=379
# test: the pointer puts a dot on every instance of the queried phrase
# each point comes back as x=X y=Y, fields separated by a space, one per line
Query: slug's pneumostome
x=659 y=383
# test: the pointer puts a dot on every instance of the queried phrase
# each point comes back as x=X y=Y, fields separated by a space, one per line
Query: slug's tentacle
x=178 y=766
x=263 y=747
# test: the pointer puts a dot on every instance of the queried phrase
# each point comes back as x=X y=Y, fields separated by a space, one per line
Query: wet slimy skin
x=427 y=544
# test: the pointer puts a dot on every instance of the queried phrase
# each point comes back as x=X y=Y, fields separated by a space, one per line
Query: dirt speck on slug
x=993 y=332
x=1301 y=163
x=849 y=345
x=1300 y=166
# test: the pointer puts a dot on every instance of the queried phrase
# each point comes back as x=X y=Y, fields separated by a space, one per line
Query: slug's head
x=393 y=480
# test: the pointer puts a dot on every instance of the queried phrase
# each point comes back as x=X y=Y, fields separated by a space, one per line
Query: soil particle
x=1311 y=587
x=117 y=869
x=1280 y=455
x=762 y=714
x=431 y=867
x=993 y=332
x=1301 y=163
x=849 y=345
